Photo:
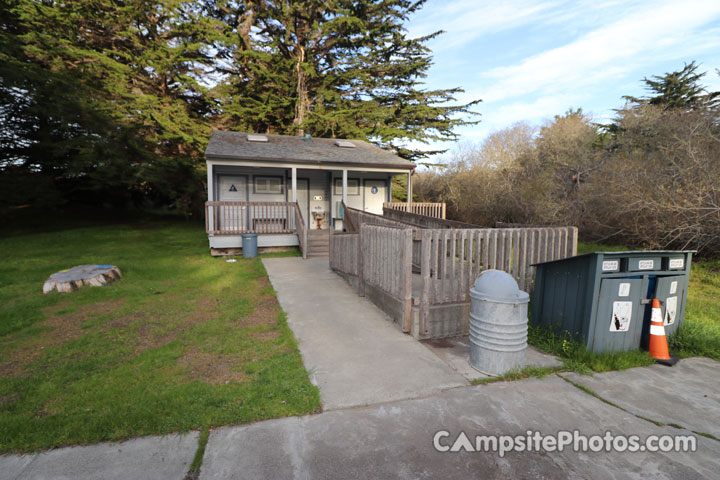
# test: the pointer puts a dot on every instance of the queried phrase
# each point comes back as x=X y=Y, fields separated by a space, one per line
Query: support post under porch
x=409 y=188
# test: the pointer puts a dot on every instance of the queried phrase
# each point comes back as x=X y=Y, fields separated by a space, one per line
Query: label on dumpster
x=646 y=264
x=670 y=310
x=620 y=321
x=677 y=263
x=673 y=287
x=624 y=290
x=610 y=265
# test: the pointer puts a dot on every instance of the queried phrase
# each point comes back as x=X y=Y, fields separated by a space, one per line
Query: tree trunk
x=301 y=103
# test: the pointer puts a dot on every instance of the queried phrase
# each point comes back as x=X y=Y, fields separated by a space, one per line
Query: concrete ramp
x=353 y=352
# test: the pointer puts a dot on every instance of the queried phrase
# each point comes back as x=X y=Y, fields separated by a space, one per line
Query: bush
x=652 y=181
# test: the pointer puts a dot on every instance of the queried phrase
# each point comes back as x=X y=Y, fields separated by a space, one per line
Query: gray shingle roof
x=285 y=148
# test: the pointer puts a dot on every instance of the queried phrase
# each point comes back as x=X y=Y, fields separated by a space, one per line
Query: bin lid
x=618 y=253
x=498 y=286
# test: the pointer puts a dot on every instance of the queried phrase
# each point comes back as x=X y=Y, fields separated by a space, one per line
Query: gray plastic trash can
x=498 y=323
x=249 y=245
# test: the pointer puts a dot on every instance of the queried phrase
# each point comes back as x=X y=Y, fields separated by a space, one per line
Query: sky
x=531 y=60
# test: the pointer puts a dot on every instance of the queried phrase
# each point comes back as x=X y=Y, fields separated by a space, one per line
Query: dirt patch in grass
x=61 y=328
x=206 y=309
x=265 y=314
x=266 y=308
x=9 y=398
x=156 y=327
x=266 y=335
x=212 y=368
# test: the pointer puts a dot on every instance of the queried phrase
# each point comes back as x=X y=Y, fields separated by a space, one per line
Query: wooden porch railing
x=436 y=210
x=301 y=230
x=235 y=218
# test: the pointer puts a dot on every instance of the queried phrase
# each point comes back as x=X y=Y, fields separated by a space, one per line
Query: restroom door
x=232 y=188
x=374 y=196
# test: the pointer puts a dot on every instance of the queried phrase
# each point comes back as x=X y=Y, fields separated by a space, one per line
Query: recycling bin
x=603 y=299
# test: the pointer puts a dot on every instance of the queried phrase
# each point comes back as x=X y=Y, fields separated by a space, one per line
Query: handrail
x=301 y=231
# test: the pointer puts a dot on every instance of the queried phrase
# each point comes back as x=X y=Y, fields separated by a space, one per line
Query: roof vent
x=344 y=144
x=257 y=138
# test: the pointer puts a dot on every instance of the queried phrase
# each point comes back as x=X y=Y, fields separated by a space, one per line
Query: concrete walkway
x=686 y=395
x=160 y=458
x=395 y=440
x=355 y=355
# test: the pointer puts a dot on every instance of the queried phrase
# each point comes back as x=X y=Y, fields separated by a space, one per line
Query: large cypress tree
x=107 y=95
x=338 y=68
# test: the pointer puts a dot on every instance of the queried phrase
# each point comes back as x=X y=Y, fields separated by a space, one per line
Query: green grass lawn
x=184 y=341
x=699 y=335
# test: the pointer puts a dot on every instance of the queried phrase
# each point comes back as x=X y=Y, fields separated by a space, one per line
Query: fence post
x=425 y=271
x=362 y=246
x=407 y=277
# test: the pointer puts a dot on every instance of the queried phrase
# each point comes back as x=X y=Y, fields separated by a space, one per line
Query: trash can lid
x=248 y=235
x=498 y=286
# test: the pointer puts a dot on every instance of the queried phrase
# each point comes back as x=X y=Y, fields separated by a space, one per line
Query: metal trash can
x=249 y=245
x=498 y=323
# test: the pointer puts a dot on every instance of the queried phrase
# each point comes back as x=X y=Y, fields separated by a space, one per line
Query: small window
x=270 y=185
x=353 y=185
x=257 y=138
x=344 y=144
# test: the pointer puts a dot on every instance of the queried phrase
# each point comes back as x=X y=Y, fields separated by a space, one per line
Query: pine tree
x=680 y=89
x=337 y=68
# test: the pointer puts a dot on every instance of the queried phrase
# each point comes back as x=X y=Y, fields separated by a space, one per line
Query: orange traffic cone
x=658 y=346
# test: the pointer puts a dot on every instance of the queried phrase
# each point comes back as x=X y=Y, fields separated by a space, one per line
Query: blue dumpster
x=249 y=245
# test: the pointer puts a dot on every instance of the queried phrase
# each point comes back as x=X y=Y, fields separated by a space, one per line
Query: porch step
x=318 y=243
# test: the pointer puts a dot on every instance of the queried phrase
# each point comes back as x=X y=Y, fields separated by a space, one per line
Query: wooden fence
x=451 y=260
x=344 y=252
x=354 y=219
x=380 y=258
x=386 y=263
x=436 y=210
x=444 y=262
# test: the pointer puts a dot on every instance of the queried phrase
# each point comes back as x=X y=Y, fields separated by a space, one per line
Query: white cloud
x=530 y=60
x=465 y=20
x=605 y=53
